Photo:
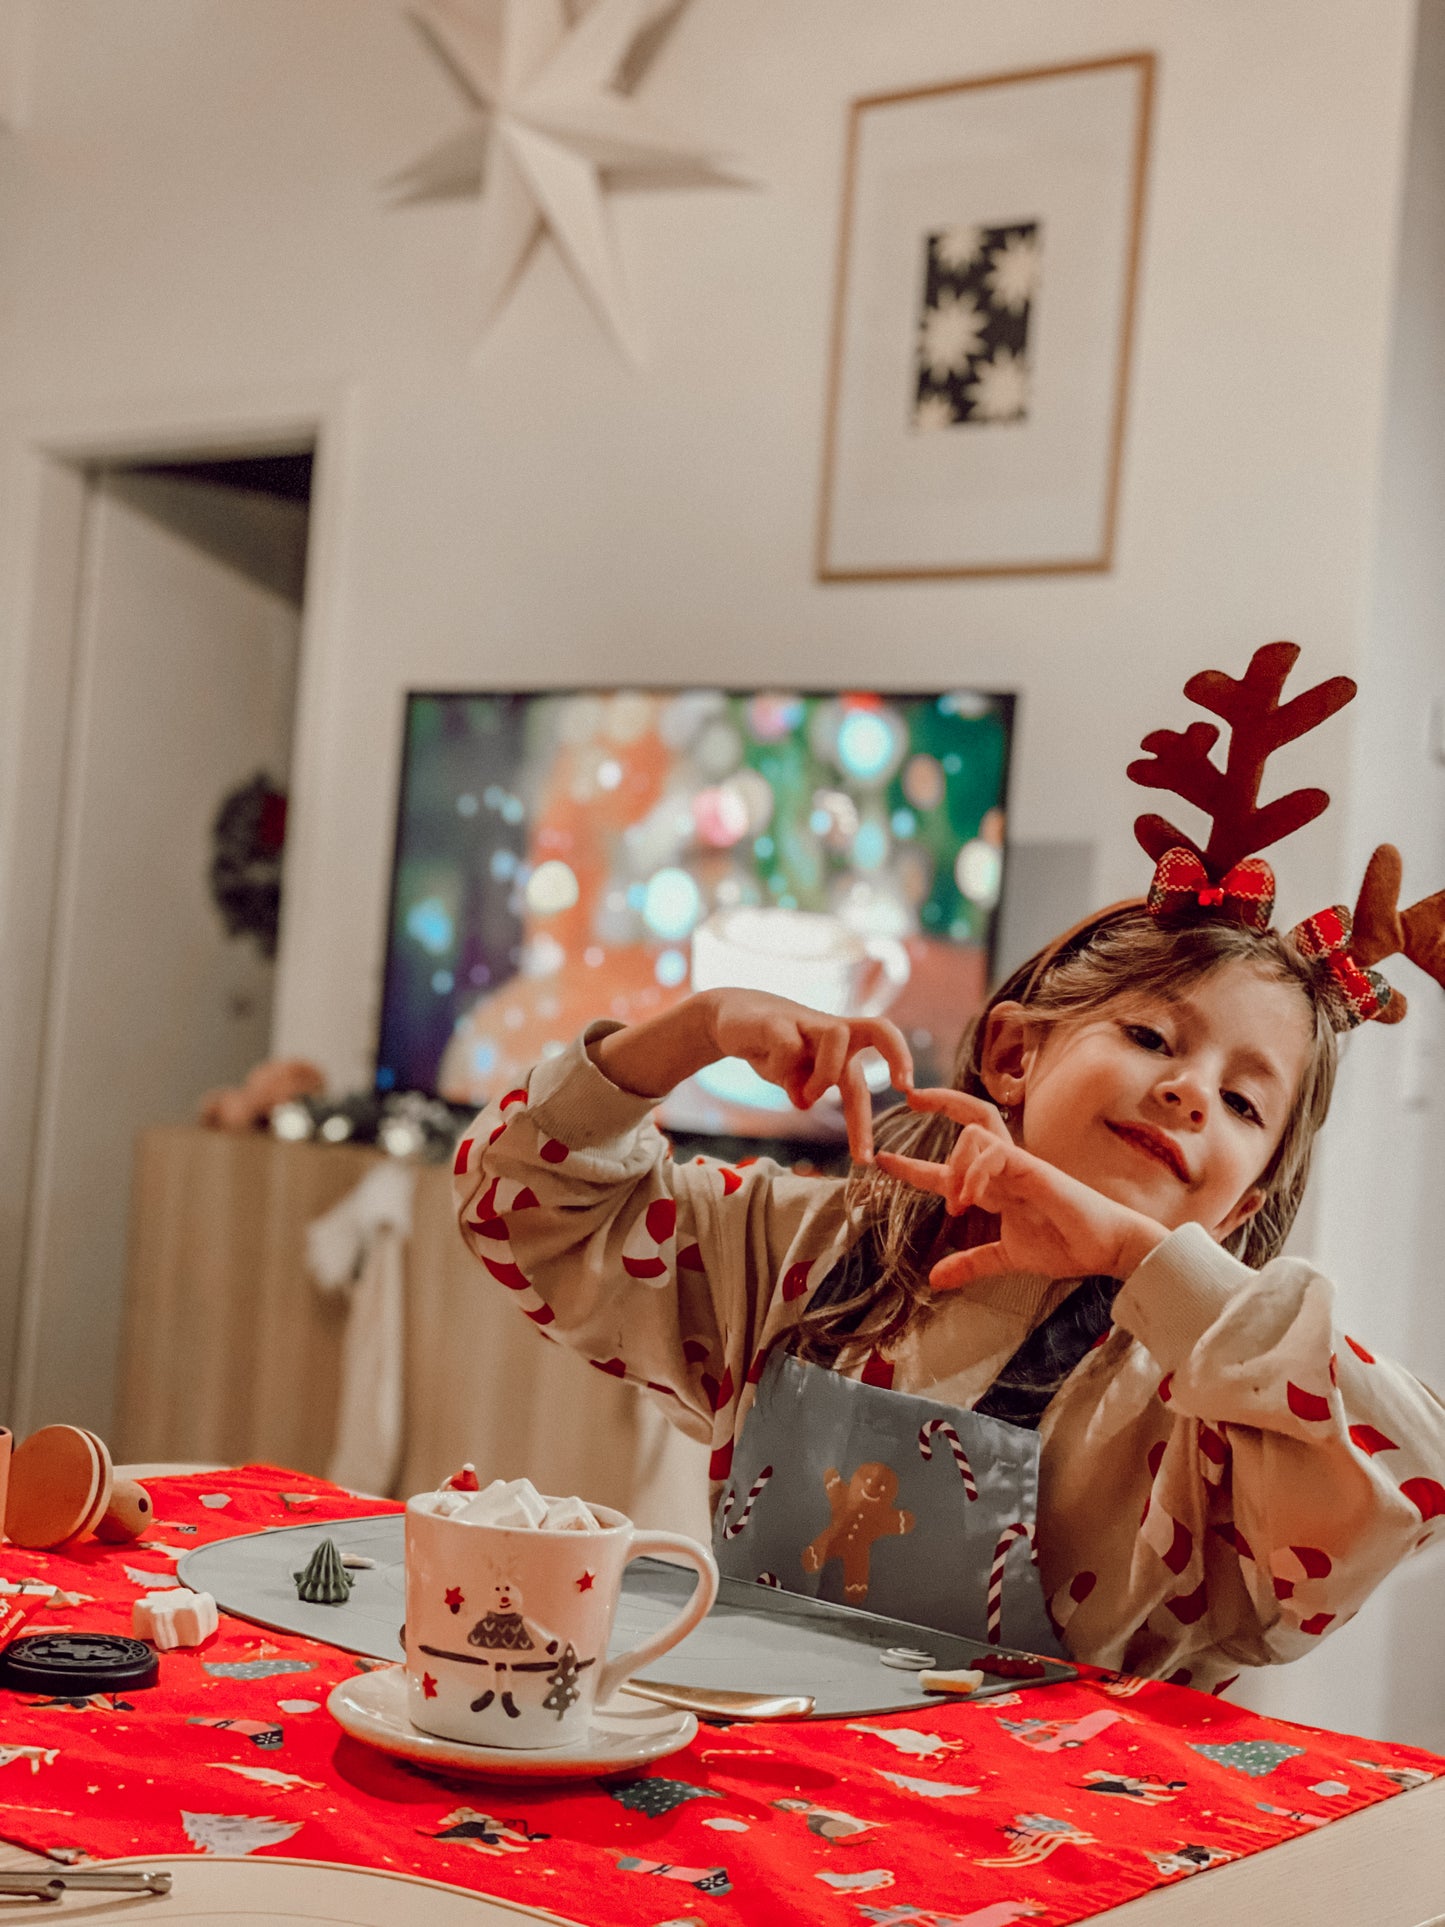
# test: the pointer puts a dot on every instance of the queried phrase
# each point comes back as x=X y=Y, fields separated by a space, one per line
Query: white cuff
x=570 y=1099
x=1182 y=1287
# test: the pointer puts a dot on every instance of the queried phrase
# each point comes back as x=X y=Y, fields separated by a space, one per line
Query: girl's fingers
x=888 y=1040
x=922 y=1174
x=967 y=1267
x=830 y=1051
x=961 y=1107
x=794 y=1077
x=864 y=1033
x=975 y=1160
x=783 y=1054
x=857 y=1111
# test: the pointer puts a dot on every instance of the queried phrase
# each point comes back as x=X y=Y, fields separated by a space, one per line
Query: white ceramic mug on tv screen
x=507 y=1626
x=806 y=955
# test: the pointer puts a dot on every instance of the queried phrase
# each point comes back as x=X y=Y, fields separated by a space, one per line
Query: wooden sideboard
x=231 y=1353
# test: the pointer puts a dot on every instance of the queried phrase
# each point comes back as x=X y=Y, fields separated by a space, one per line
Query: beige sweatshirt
x=1222 y=1480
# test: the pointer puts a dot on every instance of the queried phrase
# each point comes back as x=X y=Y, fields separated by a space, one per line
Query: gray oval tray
x=756 y=1639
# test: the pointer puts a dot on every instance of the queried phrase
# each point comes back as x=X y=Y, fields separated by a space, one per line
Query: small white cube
x=571 y=1515
x=962 y=1680
x=514 y=1502
x=175 y=1618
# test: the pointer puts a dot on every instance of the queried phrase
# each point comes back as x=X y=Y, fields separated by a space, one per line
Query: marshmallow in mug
x=516 y=1503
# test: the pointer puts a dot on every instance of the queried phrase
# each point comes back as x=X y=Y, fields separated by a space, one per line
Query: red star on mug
x=454 y=1598
x=584 y=1584
x=428 y=1686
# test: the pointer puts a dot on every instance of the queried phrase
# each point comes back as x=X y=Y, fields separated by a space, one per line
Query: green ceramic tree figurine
x=325 y=1581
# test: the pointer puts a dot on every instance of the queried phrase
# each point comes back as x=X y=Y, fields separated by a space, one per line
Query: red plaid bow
x=1182 y=885
x=1352 y=994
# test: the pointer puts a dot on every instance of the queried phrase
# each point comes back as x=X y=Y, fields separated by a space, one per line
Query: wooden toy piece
x=56 y=1478
x=324 y=1581
x=129 y=1513
x=107 y=1484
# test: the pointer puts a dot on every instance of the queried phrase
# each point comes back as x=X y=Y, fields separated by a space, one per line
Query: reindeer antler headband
x=1228 y=877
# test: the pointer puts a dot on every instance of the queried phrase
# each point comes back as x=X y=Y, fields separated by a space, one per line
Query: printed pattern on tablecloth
x=1042 y=1807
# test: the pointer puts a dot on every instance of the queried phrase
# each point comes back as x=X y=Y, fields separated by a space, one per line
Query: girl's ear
x=1010 y=1044
x=1241 y=1214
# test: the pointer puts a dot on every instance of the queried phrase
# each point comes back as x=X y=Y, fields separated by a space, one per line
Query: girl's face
x=1171 y=1106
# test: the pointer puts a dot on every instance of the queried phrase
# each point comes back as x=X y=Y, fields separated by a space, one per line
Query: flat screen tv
x=566 y=855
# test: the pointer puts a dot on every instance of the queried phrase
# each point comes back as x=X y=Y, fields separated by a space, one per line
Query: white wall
x=1381 y=1217
x=192 y=216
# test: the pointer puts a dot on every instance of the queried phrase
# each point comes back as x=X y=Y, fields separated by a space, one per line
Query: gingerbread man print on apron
x=863 y=1510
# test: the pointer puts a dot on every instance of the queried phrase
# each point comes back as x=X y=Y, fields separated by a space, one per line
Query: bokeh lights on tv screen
x=567 y=856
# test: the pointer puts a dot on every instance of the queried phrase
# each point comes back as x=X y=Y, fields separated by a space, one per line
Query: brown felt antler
x=1259 y=724
x=1382 y=929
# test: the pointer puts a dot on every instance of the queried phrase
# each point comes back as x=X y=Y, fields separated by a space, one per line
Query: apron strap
x=1039 y=1367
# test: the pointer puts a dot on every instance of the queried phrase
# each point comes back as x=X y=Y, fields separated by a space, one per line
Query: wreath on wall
x=247 y=839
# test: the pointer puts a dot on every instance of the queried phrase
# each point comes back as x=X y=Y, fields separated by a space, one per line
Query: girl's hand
x=805 y=1052
x=1048 y=1222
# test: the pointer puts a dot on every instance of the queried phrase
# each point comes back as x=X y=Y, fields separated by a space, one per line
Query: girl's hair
x=1124 y=953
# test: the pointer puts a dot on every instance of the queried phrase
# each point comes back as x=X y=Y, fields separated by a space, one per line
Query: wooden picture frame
x=988 y=270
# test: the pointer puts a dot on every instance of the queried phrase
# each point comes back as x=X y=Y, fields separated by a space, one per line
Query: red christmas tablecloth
x=1045 y=1807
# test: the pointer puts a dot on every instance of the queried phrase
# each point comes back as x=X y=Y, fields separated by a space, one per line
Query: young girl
x=1052 y=1298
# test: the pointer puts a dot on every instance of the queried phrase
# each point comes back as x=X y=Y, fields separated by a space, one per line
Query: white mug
x=806 y=955
x=507 y=1626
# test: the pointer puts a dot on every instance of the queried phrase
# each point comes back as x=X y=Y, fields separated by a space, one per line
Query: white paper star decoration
x=548 y=133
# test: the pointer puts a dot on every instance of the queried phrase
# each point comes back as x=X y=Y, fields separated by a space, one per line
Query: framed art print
x=986 y=286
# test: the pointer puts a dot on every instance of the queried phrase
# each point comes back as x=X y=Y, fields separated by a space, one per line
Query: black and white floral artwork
x=979 y=289
x=988 y=264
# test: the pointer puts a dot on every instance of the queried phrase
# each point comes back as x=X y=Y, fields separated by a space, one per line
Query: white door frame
x=44 y=488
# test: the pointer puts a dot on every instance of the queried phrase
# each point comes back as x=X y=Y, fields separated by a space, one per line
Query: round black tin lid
x=72 y=1665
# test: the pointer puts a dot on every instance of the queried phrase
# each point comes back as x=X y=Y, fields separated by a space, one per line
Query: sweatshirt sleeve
x=1295 y=1463
x=674 y=1275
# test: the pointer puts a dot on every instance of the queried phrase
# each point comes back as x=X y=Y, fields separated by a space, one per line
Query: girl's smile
x=1172 y=1106
x=1155 y=1144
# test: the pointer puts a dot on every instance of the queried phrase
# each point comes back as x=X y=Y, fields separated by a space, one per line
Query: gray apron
x=899 y=1505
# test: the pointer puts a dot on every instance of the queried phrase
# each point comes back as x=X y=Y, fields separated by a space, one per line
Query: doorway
x=187 y=625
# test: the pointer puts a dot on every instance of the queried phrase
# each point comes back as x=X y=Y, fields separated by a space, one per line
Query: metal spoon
x=716 y=1702
x=49 y=1883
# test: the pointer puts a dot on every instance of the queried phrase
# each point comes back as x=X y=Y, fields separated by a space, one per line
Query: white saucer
x=626 y=1733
